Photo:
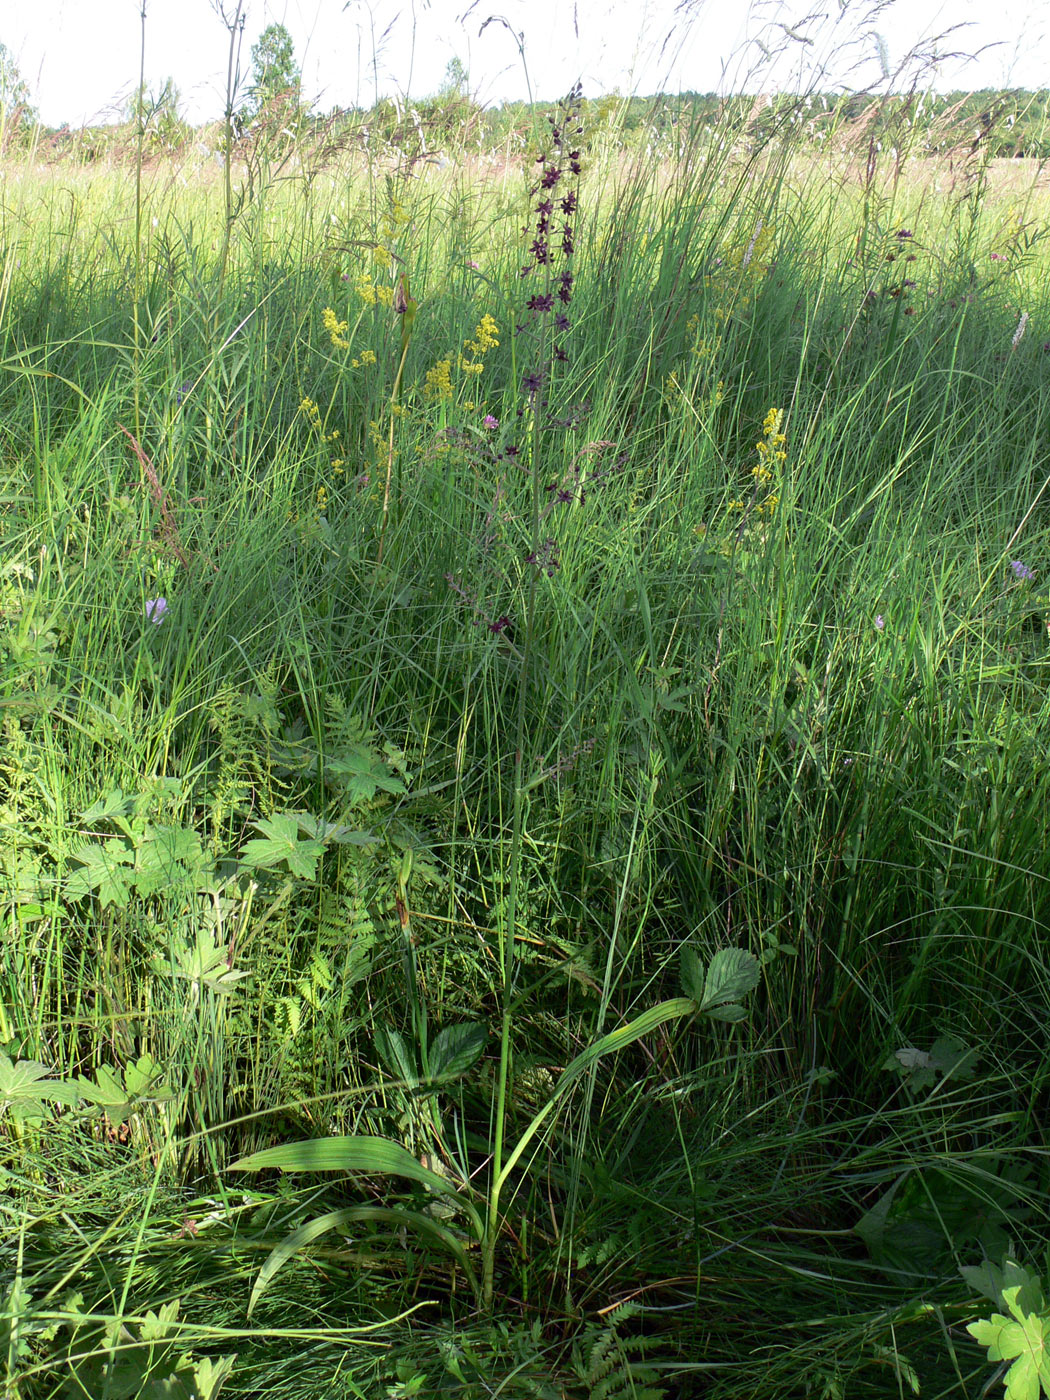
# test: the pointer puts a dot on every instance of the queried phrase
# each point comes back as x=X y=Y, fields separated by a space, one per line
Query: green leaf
x=1023 y=1336
x=456 y=1049
x=103 y=871
x=731 y=974
x=206 y=963
x=362 y=773
x=114 y=804
x=692 y=974
x=311 y=1231
x=25 y=1084
x=376 y=1156
x=282 y=843
x=211 y=1375
x=394 y=1053
x=991 y=1281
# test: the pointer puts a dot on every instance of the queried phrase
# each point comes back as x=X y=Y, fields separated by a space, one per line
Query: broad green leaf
x=456 y=1049
x=991 y=1282
x=281 y=843
x=732 y=1012
x=206 y=963
x=363 y=774
x=103 y=871
x=1024 y=1336
x=114 y=804
x=692 y=976
x=26 y=1083
x=334 y=1219
x=731 y=974
x=376 y=1156
x=394 y=1053
x=211 y=1375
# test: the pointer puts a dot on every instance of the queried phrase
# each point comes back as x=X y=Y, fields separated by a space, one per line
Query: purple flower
x=998 y=257
x=903 y=233
x=561 y=322
x=156 y=609
x=490 y=423
x=545 y=302
x=500 y=625
x=1021 y=569
x=531 y=383
x=880 y=621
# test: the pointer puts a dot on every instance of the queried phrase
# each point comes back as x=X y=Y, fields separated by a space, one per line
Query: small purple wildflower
x=546 y=558
x=500 y=625
x=903 y=233
x=998 y=257
x=880 y=621
x=181 y=393
x=492 y=424
x=532 y=383
x=156 y=608
x=1021 y=570
x=542 y=302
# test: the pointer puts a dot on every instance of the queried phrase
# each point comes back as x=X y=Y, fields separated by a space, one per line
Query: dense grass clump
x=522 y=788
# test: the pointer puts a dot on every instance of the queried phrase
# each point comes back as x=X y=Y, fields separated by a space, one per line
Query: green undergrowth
x=522 y=843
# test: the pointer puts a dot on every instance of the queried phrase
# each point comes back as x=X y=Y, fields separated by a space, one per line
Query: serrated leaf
x=211 y=1375
x=1023 y=1336
x=103 y=872
x=456 y=1049
x=731 y=974
x=26 y=1083
x=692 y=973
x=281 y=843
x=991 y=1281
x=394 y=1053
x=114 y=804
x=730 y=1013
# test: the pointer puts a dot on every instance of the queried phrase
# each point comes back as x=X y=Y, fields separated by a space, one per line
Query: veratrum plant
x=731 y=975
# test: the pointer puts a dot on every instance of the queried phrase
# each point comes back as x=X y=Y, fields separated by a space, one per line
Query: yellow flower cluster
x=336 y=329
x=486 y=338
x=312 y=414
x=368 y=357
x=439 y=380
x=372 y=295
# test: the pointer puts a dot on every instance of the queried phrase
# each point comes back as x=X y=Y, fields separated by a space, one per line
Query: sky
x=80 y=58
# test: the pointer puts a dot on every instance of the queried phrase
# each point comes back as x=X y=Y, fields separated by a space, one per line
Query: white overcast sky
x=80 y=57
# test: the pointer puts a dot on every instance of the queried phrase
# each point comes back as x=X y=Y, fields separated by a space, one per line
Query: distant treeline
x=1009 y=123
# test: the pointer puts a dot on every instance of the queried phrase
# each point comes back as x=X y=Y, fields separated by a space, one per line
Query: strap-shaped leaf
x=676 y=1009
x=377 y=1156
x=314 y=1229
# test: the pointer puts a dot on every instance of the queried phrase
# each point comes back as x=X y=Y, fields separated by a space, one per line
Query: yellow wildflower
x=439 y=380
x=312 y=413
x=336 y=329
x=486 y=337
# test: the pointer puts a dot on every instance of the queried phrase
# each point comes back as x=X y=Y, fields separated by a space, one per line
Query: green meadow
x=523 y=781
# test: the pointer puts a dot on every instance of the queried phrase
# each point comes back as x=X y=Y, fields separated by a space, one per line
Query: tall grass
x=365 y=785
